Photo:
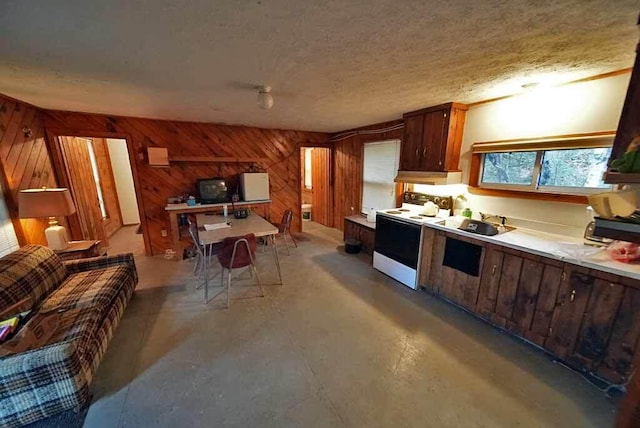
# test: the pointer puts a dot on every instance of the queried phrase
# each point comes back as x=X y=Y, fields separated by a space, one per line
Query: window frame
x=534 y=187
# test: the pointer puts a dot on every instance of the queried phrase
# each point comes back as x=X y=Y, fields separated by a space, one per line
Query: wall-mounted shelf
x=621 y=178
x=212 y=159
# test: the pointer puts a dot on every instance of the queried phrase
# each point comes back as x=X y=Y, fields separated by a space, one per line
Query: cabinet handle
x=424 y=152
x=440 y=163
x=493 y=270
x=417 y=152
x=573 y=296
x=563 y=276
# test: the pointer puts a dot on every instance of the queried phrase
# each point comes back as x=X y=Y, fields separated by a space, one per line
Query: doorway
x=315 y=187
x=98 y=173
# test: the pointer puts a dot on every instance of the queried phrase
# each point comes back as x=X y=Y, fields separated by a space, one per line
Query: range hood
x=429 y=177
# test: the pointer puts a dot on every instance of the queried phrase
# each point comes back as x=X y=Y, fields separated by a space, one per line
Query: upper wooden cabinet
x=432 y=138
x=629 y=125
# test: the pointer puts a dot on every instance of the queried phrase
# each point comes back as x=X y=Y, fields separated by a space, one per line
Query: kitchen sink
x=483 y=227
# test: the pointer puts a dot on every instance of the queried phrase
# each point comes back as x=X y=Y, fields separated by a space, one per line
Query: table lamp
x=52 y=203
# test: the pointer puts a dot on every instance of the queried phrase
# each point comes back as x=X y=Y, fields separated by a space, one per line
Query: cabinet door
x=625 y=337
x=526 y=297
x=598 y=322
x=434 y=141
x=426 y=257
x=552 y=277
x=412 y=140
x=569 y=312
x=507 y=289
x=435 y=272
x=489 y=282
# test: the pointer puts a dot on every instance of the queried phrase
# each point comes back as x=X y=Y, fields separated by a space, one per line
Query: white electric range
x=399 y=236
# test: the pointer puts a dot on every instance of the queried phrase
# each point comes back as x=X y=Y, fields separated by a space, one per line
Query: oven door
x=399 y=240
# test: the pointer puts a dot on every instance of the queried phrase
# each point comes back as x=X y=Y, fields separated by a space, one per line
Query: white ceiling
x=333 y=64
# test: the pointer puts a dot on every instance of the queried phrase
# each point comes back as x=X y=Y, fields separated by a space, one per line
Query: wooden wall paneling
x=278 y=149
x=113 y=222
x=25 y=163
x=347 y=170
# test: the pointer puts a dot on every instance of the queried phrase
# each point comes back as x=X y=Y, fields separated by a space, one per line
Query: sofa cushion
x=95 y=288
x=27 y=276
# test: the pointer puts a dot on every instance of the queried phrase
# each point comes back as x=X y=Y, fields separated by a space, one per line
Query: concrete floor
x=339 y=344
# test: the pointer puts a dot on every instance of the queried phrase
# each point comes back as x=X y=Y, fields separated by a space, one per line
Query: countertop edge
x=179 y=207
x=361 y=220
x=588 y=264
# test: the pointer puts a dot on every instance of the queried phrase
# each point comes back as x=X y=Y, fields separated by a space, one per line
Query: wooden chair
x=284 y=229
x=238 y=252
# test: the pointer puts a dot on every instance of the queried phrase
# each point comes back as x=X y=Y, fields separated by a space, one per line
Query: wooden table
x=175 y=210
x=238 y=227
x=80 y=250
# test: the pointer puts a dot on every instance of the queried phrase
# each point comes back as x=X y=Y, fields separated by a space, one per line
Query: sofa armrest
x=82 y=265
x=54 y=375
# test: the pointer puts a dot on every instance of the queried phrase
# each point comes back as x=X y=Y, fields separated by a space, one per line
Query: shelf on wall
x=212 y=159
x=611 y=177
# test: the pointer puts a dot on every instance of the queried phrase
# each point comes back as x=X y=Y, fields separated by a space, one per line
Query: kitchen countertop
x=559 y=247
x=362 y=220
x=185 y=207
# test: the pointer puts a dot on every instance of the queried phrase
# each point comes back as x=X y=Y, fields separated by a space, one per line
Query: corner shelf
x=212 y=159
x=621 y=178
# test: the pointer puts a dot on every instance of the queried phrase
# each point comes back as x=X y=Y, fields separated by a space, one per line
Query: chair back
x=195 y=236
x=285 y=224
x=238 y=251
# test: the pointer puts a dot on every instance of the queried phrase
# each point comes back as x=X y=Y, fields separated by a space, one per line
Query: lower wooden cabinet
x=366 y=235
x=587 y=318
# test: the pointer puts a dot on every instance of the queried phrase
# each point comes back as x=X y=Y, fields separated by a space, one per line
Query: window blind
x=380 y=168
x=8 y=239
x=547 y=143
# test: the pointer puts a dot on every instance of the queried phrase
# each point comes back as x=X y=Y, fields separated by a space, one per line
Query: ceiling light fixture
x=530 y=85
x=265 y=99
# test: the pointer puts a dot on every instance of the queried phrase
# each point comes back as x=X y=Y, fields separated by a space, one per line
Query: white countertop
x=559 y=247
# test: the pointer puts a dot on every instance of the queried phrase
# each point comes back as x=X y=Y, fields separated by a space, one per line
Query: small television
x=212 y=190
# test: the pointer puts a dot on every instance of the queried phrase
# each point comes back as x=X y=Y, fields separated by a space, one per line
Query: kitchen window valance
x=577 y=141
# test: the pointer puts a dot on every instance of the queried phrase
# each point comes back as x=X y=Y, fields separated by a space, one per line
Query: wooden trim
x=446 y=106
x=541 y=196
x=212 y=159
x=584 y=79
x=568 y=141
x=12 y=207
x=612 y=177
x=312 y=144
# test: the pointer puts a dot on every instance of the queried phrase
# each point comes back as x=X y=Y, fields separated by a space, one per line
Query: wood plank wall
x=322 y=211
x=347 y=164
x=278 y=149
x=25 y=163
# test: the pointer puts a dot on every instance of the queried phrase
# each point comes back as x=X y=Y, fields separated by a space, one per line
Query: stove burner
x=403 y=210
x=393 y=212
x=425 y=215
x=417 y=217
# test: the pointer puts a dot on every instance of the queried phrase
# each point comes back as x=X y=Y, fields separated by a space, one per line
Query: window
x=567 y=166
x=8 y=239
x=308 y=182
x=379 y=169
x=96 y=178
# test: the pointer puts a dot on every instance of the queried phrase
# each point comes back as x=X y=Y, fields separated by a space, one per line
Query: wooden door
x=434 y=141
x=322 y=209
x=409 y=148
x=568 y=314
x=83 y=188
x=526 y=297
x=489 y=282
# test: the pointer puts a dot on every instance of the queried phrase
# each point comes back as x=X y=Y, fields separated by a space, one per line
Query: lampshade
x=33 y=203
x=265 y=99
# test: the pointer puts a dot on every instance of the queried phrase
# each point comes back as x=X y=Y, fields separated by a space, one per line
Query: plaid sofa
x=85 y=300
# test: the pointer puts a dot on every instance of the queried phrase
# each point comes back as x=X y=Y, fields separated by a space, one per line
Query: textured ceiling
x=333 y=64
